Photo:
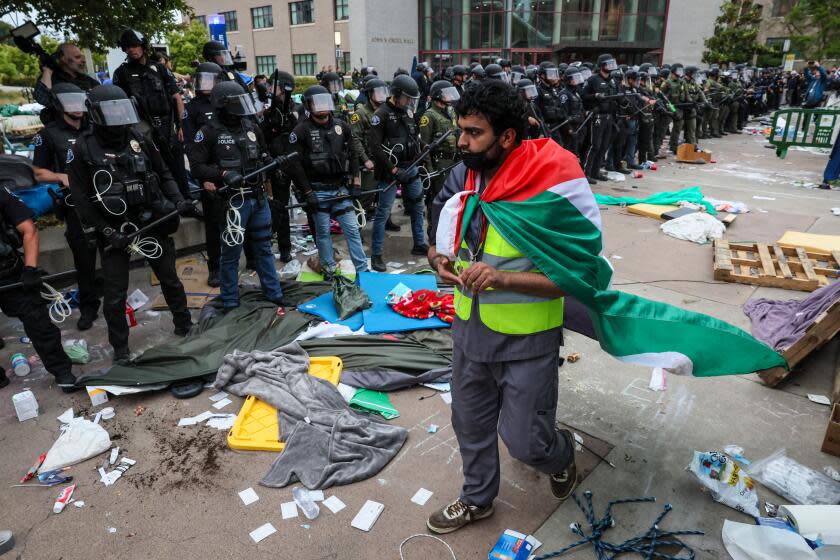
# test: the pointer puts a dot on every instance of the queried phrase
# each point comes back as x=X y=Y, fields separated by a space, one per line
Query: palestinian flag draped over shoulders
x=541 y=203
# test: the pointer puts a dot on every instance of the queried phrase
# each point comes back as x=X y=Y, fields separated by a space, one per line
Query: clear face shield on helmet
x=407 y=103
x=586 y=73
x=515 y=77
x=653 y=72
x=529 y=92
x=699 y=78
x=72 y=102
x=679 y=72
x=610 y=64
x=114 y=112
x=241 y=105
x=449 y=95
x=223 y=58
x=552 y=74
x=379 y=94
x=334 y=86
x=205 y=81
x=576 y=79
x=505 y=77
x=321 y=103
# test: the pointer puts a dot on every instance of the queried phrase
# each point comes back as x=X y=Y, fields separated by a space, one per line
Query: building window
x=202 y=20
x=781 y=8
x=266 y=65
x=301 y=12
x=305 y=64
x=261 y=17
x=345 y=63
x=342 y=9
x=231 y=23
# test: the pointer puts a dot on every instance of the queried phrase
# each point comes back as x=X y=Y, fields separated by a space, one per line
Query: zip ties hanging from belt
x=398 y=148
x=98 y=196
x=361 y=218
x=60 y=307
x=426 y=177
x=234 y=233
x=147 y=247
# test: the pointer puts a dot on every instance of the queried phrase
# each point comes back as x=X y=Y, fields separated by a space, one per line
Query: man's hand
x=356 y=191
x=185 y=206
x=63 y=179
x=533 y=122
x=444 y=268
x=31 y=278
x=118 y=240
x=481 y=276
x=369 y=165
x=181 y=135
x=311 y=201
x=209 y=187
x=232 y=179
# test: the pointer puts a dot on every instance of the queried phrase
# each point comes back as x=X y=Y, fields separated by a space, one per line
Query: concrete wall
x=384 y=33
x=690 y=22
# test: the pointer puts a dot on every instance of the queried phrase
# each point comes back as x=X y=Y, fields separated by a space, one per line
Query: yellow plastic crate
x=256 y=427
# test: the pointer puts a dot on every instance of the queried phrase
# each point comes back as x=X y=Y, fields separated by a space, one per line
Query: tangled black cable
x=645 y=545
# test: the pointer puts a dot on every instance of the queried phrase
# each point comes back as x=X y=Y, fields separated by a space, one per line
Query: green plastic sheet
x=691 y=194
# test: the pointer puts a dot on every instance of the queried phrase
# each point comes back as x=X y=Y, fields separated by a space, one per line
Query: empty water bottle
x=310 y=509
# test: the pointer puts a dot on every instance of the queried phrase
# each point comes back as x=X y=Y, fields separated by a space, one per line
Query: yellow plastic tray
x=256 y=427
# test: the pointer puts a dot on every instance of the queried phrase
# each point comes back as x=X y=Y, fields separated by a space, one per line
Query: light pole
x=338 y=52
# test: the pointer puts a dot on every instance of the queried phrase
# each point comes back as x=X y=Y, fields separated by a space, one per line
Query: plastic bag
x=349 y=297
x=77 y=350
x=81 y=440
x=796 y=482
x=728 y=482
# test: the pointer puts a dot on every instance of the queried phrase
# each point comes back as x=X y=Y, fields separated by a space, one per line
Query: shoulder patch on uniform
x=70 y=155
x=292 y=138
x=424 y=121
x=199 y=137
x=374 y=121
x=37 y=140
x=184 y=115
x=355 y=118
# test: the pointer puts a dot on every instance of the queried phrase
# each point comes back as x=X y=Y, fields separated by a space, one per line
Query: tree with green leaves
x=18 y=68
x=185 y=44
x=815 y=28
x=98 y=24
x=736 y=32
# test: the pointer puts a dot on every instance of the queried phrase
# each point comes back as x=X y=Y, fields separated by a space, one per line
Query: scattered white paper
x=447 y=397
x=222 y=421
x=115 y=452
x=262 y=532
x=66 y=416
x=397 y=271
x=112 y=530
x=433 y=428
x=393 y=264
x=218 y=396
x=759 y=542
x=222 y=403
x=79 y=503
x=758 y=197
x=119 y=390
x=248 y=496
x=578 y=438
x=422 y=496
x=316 y=495
x=195 y=419
x=819 y=399
x=97 y=418
x=334 y=504
x=289 y=510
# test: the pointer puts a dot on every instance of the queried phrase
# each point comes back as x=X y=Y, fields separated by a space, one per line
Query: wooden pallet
x=823 y=329
x=758 y=264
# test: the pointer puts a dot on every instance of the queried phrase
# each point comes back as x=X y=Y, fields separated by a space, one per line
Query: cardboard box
x=512 y=545
x=831 y=443
x=97 y=396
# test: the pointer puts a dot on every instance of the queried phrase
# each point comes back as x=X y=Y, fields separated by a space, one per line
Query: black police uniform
x=42 y=94
x=601 y=123
x=27 y=304
x=141 y=184
x=51 y=146
x=277 y=125
x=647 y=152
x=548 y=102
x=571 y=108
x=153 y=86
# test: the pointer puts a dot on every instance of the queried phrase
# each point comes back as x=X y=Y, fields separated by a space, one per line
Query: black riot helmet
x=318 y=99
x=377 y=90
x=495 y=72
x=443 y=90
x=332 y=82
x=690 y=71
x=477 y=72
x=517 y=72
x=132 y=38
x=714 y=72
x=216 y=51
x=607 y=62
x=504 y=63
x=678 y=70
x=549 y=71
x=282 y=82
x=573 y=76
x=109 y=106
x=459 y=70
x=632 y=75
x=527 y=89
x=369 y=71
x=665 y=73
x=206 y=76
x=68 y=98
x=531 y=72
x=405 y=92
x=232 y=99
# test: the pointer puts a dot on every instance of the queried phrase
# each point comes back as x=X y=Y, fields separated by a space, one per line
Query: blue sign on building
x=216 y=24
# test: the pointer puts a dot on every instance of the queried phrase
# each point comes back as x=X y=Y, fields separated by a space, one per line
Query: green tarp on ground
x=691 y=194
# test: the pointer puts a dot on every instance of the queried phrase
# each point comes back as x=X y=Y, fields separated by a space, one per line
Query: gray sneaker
x=564 y=482
x=456 y=515
x=7 y=542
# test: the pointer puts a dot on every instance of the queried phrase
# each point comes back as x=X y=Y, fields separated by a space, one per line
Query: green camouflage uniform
x=675 y=91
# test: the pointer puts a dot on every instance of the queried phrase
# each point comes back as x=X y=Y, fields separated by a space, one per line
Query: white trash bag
x=728 y=483
x=80 y=440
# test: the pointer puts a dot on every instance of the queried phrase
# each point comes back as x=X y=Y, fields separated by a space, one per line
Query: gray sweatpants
x=516 y=400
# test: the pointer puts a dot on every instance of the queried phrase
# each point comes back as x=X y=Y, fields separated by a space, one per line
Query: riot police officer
x=223 y=152
x=674 y=90
x=327 y=158
x=394 y=143
x=663 y=114
x=459 y=76
x=278 y=123
x=18 y=231
x=334 y=84
x=434 y=123
x=159 y=101
x=49 y=166
x=596 y=96
x=218 y=53
x=119 y=183
x=571 y=109
x=694 y=101
x=646 y=118
x=548 y=101
x=528 y=91
x=715 y=94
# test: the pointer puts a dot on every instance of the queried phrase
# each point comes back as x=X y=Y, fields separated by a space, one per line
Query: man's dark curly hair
x=497 y=102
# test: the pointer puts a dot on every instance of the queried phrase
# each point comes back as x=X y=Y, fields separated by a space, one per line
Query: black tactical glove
x=31 y=278
x=356 y=192
x=117 y=239
x=311 y=201
x=232 y=179
x=184 y=207
x=404 y=175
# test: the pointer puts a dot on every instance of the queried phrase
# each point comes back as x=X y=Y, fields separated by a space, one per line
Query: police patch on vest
x=424 y=121
x=135 y=145
x=70 y=155
x=355 y=118
x=199 y=137
x=374 y=121
x=251 y=136
x=37 y=140
x=410 y=114
x=292 y=138
x=337 y=129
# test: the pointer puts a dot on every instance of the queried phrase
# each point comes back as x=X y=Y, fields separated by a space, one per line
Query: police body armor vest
x=11 y=263
x=401 y=136
x=238 y=151
x=150 y=90
x=328 y=156
x=549 y=104
x=62 y=140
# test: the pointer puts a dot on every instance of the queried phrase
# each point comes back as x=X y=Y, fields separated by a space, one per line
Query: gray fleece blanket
x=327 y=443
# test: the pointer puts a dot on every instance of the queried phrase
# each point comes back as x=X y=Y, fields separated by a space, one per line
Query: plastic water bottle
x=20 y=364
x=305 y=503
x=26 y=406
